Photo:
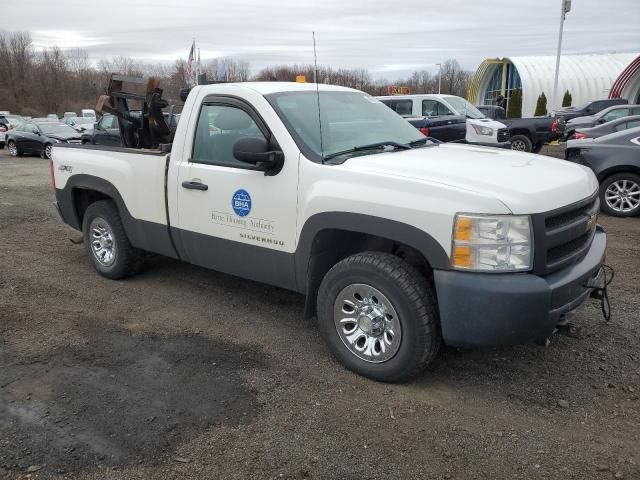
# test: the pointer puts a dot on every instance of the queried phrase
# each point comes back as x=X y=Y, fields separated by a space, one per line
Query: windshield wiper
x=371 y=146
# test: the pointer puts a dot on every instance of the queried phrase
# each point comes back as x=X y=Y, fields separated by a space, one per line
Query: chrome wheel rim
x=623 y=196
x=518 y=145
x=103 y=246
x=367 y=323
x=47 y=151
x=13 y=150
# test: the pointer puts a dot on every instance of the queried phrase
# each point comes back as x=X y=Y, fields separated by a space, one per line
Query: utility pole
x=565 y=8
x=439 y=76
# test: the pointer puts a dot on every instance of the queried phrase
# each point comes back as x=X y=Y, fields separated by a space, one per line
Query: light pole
x=565 y=8
x=439 y=76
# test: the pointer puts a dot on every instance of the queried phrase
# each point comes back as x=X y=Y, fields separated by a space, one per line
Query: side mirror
x=601 y=120
x=255 y=150
x=588 y=109
x=36 y=131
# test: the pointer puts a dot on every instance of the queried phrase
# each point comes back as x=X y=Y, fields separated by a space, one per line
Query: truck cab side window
x=404 y=107
x=219 y=128
x=433 y=108
x=107 y=122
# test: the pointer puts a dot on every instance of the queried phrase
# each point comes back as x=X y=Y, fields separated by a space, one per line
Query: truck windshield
x=349 y=120
x=463 y=107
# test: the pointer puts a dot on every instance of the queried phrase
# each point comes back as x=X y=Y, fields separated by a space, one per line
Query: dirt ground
x=182 y=373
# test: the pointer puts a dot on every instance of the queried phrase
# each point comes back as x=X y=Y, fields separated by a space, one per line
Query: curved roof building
x=627 y=85
x=586 y=77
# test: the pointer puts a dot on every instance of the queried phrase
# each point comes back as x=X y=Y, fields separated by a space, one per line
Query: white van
x=480 y=130
x=88 y=113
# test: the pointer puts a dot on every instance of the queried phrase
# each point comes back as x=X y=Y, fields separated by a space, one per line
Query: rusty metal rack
x=142 y=126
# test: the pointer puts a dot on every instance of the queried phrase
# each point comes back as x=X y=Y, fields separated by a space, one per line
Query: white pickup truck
x=480 y=129
x=398 y=243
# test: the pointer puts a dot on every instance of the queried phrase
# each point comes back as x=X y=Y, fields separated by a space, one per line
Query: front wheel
x=520 y=143
x=620 y=195
x=378 y=315
x=107 y=244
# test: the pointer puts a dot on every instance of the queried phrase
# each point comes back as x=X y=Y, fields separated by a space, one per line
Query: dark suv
x=589 y=108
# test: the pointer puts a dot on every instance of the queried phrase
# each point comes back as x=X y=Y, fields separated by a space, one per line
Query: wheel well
x=82 y=198
x=333 y=245
x=519 y=131
x=618 y=169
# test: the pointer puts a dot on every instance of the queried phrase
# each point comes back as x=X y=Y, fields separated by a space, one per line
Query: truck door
x=232 y=218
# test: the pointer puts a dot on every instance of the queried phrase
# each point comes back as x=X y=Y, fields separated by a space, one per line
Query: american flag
x=192 y=57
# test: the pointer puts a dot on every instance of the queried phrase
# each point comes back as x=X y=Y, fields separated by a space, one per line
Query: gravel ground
x=182 y=372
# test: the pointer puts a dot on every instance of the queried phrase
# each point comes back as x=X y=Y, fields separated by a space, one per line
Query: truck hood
x=523 y=182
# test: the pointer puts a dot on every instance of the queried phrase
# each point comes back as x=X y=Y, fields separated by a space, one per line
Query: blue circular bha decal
x=241 y=203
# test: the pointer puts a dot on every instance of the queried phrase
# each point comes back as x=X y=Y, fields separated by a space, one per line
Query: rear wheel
x=620 y=195
x=520 y=143
x=13 y=149
x=107 y=244
x=46 y=151
x=378 y=315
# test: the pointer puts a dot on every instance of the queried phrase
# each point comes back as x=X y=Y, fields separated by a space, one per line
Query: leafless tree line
x=37 y=82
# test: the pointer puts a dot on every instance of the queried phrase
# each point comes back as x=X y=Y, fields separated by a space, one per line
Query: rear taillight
x=425 y=131
x=554 y=126
x=53 y=177
x=581 y=136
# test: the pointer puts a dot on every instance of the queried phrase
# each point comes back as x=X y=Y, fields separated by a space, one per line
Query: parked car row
x=37 y=138
x=569 y=127
x=615 y=159
x=421 y=109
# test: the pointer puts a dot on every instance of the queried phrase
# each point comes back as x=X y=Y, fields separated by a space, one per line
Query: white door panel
x=238 y=204
x=241 y=205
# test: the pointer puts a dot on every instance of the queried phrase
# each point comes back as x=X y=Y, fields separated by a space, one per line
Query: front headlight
x=480 y=130
x=502 y=243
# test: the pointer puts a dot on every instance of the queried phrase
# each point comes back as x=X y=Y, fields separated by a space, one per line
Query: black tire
x=44 y=152
x=412 y=297
x=520 y=143
x=127 y=260
x=612 y=184
x=14 y=151
x=537 y=147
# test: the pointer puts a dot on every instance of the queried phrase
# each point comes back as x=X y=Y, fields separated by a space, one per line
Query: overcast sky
x=389 y=38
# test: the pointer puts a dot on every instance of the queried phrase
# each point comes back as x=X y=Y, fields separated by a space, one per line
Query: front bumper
x=482 y=309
